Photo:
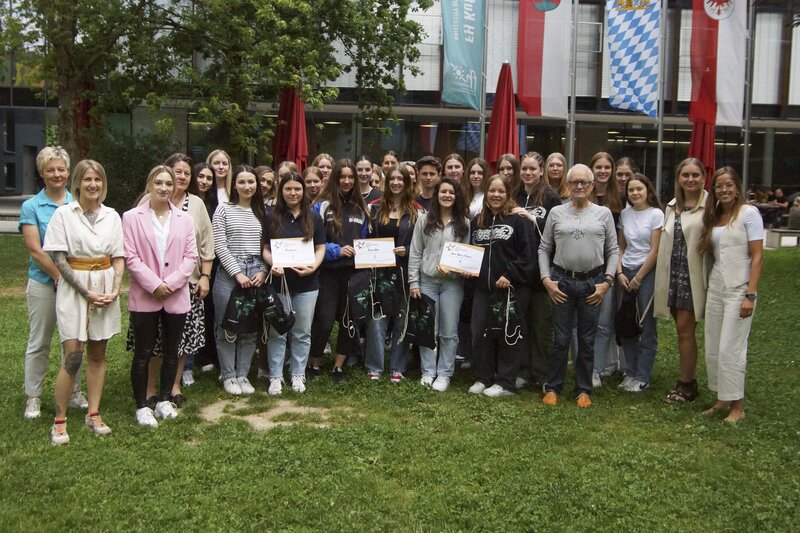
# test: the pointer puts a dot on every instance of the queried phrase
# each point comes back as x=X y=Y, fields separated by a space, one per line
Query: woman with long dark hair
x=641 y=223
x=446 y=221
x=345 y=217
x=292 y=218
x=393 y=215
x=472 y=184
x=237 y=243
x=508 y=167
x=733 y=241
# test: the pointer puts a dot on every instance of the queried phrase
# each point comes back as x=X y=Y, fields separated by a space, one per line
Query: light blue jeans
x=605 y=332
x=303 y=304
x=447 y=293
x=640 y=352
x=234 y=357
x=376 y=344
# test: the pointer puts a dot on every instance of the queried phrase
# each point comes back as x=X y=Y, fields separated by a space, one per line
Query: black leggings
x=145 y=330
x=331 y=303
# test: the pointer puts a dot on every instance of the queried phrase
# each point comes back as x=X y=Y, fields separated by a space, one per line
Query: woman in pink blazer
x=160 y=253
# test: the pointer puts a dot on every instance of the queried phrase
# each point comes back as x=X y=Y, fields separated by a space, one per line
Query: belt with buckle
x=577 y=275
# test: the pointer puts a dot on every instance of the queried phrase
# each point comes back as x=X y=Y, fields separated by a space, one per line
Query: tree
x=220 y=56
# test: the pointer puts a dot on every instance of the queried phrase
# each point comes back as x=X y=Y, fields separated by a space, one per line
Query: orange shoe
x=550 y=398
x=583 y=400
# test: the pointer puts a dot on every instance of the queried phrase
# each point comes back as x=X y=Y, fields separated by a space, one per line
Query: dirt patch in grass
x=285 y=413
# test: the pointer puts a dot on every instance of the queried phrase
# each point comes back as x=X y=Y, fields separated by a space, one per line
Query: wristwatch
x=750 y=296
x=610 y=280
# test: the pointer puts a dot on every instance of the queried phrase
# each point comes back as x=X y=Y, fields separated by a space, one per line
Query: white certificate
x=292 y=252
x=375 y=253
x=462 y=258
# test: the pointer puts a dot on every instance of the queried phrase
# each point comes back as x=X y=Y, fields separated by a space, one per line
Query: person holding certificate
x=504 y=281
x=292 y=218
x=445 y=222
x=344 y=216
x=393 y=216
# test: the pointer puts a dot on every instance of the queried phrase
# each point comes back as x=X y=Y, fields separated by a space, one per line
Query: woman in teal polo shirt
x=43 y=276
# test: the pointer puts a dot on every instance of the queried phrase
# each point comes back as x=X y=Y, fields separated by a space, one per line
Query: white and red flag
x=718 y=45
x=543 y=57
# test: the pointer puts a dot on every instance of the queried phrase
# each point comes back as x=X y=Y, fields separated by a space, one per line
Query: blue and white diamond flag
x=633 y=43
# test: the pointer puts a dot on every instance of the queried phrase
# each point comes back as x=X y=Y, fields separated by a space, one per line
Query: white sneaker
x=521 y=383
x=59 y=435
x=441 y=383
x=78 y=401
x=275 y=386
x=96 y=424
x=165 y=410
x=299 y=384
x=245 y=385
x=477 y=388
x=497 y=391
x=625 y=383
x=33 y=408
x=144 y=417
x=596 y=381
x=231 y=386
x=207 y=368
x=426 y=381
x=327 y=350
x=187 y=378
x=637 y=386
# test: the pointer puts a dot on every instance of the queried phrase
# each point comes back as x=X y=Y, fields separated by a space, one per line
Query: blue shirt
x=38 y=211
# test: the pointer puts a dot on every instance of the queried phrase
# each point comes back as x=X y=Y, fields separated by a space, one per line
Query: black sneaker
x=338 y=375
x=313 y=371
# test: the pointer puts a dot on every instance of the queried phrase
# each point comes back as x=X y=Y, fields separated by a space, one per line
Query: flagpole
x=483 y=78
x=661 y=84
x=748 y=94
x=573 y=85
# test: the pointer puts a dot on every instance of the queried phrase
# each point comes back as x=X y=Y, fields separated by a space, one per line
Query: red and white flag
x=719 y=39
x=543 y=57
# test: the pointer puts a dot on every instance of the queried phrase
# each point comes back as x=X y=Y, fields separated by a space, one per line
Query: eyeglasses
x=579 y=183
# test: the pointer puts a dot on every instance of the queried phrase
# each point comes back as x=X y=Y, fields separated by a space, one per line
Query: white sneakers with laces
x=145 y=417
x=299 y=384
x=275 y=386
x=245 y=386
x=165 y=410
x=497 y=391
x=441 y=383
x=78 y=401
x=33 y=408
x=231 y=386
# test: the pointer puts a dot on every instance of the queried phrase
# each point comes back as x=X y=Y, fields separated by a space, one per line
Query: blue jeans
x=376 y=344
x=640 y=353
x=447 y=293
x=303 y=304
x=563 y=319
x=605 y=333
x=234 y=357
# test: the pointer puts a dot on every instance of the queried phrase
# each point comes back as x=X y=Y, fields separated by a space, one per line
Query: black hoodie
x=508 y=251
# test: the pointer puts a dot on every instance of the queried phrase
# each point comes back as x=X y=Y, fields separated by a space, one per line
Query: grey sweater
x=582 y=239
x=426 y=251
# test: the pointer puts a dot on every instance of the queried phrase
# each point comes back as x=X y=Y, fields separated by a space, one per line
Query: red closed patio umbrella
x=290 y=142
x=503 y=137
x=702 y=147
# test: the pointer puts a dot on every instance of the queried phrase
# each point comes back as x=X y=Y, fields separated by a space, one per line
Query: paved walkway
x=9 y=213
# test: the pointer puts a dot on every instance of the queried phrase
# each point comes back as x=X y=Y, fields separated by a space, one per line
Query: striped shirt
x=237 y=233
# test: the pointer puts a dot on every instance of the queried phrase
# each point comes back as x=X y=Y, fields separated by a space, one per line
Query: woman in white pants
x=733 y=240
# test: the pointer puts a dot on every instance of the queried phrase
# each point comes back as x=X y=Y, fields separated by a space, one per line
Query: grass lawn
x=404 y=458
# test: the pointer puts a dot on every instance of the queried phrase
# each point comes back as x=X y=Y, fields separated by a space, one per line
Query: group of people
x=564 y=251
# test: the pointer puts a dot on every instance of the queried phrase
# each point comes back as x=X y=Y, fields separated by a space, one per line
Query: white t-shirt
x=476 y=205
x=638 y=226
x=753 y=225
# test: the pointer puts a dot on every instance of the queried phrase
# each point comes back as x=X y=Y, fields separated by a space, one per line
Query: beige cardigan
x=692 y=227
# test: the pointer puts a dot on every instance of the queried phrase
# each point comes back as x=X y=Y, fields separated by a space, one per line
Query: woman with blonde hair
x=220 y=161
x=43 y=276
x=733 y=241
x=85 y=238
x=555 y=170
x=268 y=183
x=472 y=181
x=680 y=271
x=324 y=162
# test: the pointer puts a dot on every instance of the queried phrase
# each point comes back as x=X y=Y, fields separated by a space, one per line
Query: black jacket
x=508 y=251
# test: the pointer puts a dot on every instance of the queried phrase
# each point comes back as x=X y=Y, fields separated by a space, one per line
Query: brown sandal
x=683 y=392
